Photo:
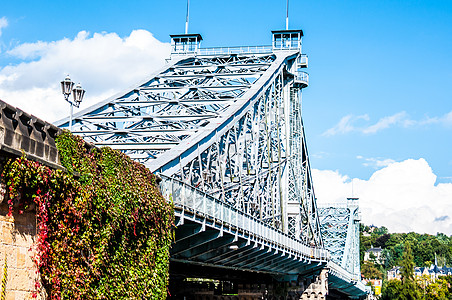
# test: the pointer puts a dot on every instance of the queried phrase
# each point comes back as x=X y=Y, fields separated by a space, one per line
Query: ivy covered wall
x=104 y=229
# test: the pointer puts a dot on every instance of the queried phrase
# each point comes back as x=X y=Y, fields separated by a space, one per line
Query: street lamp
x=67 y=87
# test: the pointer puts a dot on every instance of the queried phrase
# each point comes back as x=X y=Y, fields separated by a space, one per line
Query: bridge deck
x=238 y=233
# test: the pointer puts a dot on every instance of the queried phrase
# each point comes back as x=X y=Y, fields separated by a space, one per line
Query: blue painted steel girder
x=214 y=247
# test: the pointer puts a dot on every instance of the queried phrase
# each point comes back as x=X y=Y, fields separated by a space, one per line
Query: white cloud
x=3 y=24
x=345 y=125
x=330 y=186
x=104 y=63
x=30 y=50
x=445 y=120
x=342 y=127
x=376 y=163
x=402 y=196
x=348 y=123
x=320 y=155
x=385 y=122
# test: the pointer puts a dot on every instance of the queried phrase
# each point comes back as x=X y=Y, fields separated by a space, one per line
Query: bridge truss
x=223 y=128
x=228 y=124
x=340 y=231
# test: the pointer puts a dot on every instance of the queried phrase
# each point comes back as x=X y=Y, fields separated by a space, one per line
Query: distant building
x=374 y=254
x=372 y=228
x=433 y=272
x=394 y=273
x=420 y=271
x=375 y=283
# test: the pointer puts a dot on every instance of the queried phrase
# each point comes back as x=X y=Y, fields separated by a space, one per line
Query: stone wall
x=17 y=238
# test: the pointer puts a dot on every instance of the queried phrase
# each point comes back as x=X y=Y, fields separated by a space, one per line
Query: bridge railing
x=196 y=201
x=344 y=275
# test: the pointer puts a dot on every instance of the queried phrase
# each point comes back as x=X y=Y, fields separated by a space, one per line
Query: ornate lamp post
x=67 y=87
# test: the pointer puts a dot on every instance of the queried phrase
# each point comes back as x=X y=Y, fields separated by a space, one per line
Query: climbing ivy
x=104 y=230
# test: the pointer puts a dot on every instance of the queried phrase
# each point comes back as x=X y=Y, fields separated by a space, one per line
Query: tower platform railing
x=241 y=50
x=235 y=50
x=332 y=204
x=302 y=61
x=301 y=79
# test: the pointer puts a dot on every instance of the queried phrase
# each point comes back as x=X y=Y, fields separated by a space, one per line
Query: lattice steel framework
x=340 y=231
x=227 y=124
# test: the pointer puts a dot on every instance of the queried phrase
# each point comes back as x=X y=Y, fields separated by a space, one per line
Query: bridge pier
x=317 y=288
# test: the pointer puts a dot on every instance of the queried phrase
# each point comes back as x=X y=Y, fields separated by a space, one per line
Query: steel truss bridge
x=223 y=129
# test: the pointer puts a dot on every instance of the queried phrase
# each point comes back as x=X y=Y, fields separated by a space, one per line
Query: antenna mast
x=287 y=15
x=186 y=19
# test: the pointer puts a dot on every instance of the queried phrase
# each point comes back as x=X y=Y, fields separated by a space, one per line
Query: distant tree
x=422 y=282
x=425 y=252
x=397 y=252
x=423 y=246
x=448 y=280
x=441 y=260
x=364 y=244
x=437 y=290
x=372 y=257
x=444 y=239
x=381 y=240
x=364 y=228
x=381 y=230
x=427 y=263
x=387 y=259
x=394 y=239
x=370 y=271
x=391 y=290
x=361 y=227
x=410 y=289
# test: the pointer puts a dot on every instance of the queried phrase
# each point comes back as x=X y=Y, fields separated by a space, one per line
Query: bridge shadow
x=197 y=282
x=19 y=229
x=17 y=239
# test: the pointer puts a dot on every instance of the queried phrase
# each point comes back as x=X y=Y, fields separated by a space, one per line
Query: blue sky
x=380 y=71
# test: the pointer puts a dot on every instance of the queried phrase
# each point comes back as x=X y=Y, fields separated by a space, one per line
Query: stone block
x=17 y=240
x=10 y=295
x=20 y=279
x=29 y=255
x=10 y=252
x=22 y=238
x=24 y=295
x=21 y=295
x=6 y=232
x=20 y=259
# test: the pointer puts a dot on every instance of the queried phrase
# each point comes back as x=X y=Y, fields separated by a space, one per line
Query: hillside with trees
x=423 y=246
x=407 y=250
